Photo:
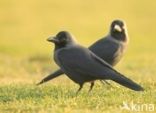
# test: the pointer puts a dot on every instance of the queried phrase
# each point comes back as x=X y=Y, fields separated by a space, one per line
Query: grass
x=26 y=57
x=62 y=98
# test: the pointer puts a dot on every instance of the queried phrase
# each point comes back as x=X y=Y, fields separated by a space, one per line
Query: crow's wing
x=80 y=60
x=108 y=49
x=118 y=77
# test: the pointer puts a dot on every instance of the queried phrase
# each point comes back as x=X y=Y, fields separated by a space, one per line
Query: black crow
x=81 y=65
x=110 y=48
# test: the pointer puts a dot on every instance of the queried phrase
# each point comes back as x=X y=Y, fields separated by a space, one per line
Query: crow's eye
x=63 y=39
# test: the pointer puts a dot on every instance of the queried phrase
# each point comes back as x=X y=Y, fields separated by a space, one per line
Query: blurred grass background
x=26 y=56
x=25 y=26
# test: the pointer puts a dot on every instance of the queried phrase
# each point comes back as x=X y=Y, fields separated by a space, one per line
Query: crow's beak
x=117 y=28
x=53 y=39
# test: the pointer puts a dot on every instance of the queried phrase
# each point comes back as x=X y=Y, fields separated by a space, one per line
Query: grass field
x=26 y=56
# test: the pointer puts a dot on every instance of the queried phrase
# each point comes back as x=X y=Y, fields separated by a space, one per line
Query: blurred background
x=25 y=55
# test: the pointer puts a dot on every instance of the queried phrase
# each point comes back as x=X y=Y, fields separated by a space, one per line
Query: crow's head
x=62 y=39
x=118 y=30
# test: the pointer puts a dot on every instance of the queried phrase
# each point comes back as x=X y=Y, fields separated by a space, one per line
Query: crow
x=81 y=65
x=110 y=48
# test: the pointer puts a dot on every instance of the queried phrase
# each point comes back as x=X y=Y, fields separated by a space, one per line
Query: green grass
x=26 y=57
x=62 y=98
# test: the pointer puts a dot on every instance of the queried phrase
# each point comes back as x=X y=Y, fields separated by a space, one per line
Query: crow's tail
x=51 y=76
x=122 y=80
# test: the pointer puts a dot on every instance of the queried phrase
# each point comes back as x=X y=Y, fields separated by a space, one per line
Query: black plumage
x=81 y=65
x=109 y=48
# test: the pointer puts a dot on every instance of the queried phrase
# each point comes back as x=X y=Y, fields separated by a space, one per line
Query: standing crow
x=110 y=48
x=81 y=65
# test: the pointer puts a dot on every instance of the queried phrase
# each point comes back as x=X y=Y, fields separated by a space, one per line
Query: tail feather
x=51 y=76
x=122 y=80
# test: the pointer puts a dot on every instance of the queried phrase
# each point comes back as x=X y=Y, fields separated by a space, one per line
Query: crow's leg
x=91 y=86
x=81 y=86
